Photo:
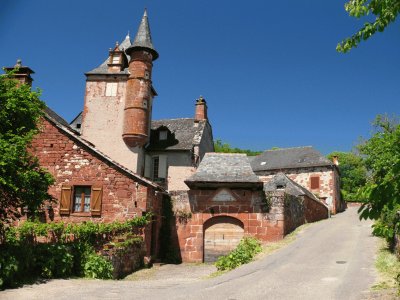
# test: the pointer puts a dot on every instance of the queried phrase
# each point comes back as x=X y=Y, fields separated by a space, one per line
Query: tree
x=353 y=173
x=23 y=183
x=220 y=146
x=385 y=12
x=382 y=189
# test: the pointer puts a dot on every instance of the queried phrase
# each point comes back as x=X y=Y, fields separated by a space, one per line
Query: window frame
x=111 y=89
x=163 y=135
x=82 y=204
x=315 y=185
x=67 y=199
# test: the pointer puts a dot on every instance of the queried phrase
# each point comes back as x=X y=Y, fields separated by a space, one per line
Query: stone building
x=228 y=201
x=114 y=162
x=89 y=185
x=307 y=167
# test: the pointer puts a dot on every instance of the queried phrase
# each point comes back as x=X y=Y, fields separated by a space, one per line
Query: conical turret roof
x=143 y=38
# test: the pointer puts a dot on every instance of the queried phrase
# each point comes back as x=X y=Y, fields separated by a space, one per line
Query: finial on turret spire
x=19 y=63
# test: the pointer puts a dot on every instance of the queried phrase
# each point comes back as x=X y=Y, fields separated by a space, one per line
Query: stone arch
x=221 y=235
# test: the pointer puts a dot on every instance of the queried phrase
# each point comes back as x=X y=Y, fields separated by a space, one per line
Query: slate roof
x=280 y=180
x=53 y=115
x=224 y=168
x=76 y=123
x=182 y=134
x=289 y=158
x=103 y=68
x=143 y=38
x=63 y=125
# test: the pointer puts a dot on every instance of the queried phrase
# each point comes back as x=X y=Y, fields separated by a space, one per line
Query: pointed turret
x=142 y=39
x=139 y=89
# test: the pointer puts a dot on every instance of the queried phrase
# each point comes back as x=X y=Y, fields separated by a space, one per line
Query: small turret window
x=115 y=59
x=111 y=89
x=163 y=135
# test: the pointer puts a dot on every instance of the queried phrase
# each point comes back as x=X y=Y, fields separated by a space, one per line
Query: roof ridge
x=72 y=133
x=288 y=148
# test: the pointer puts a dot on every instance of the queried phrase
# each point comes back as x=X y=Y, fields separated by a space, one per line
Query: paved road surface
x=332 y=259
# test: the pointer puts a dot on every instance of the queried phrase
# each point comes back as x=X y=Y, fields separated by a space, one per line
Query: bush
x=97 y=266
x=71 y=252
x=243 y=254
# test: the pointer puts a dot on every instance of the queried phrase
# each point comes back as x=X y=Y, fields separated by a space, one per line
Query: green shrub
x=54 y=260
x=243 y=254
x=71 y=252
x=97 y=266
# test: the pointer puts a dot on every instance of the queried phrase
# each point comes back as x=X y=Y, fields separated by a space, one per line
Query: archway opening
x=222 y=234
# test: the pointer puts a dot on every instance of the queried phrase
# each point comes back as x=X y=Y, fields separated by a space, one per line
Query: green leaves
x=22 y=182
x=243 y=254
x=382 y=189
x=385 y=12
x=353 y=174
x=222 y=147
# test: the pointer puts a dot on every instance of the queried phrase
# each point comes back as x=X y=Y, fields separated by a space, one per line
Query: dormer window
x=163 y=135
x=115 y=59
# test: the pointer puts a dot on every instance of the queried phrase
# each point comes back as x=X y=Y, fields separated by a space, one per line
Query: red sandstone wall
x=72 y=164
x=314 y=211
x=293 y=212
x=329 y=189
x=246 y=208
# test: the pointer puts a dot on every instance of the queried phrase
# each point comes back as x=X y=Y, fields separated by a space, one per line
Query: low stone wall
x=125 y=260
x=314 y=210
x=293 y=212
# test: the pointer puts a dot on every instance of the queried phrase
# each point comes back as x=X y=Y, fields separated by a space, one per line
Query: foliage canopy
x=222 y=147
x=382 y=159
x=385 y=12
x=23 y=183
x=353 y=174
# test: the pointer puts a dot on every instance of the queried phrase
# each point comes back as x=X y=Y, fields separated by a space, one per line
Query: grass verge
x=388 y=267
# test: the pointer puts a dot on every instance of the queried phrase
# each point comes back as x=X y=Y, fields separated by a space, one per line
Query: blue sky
x=268 y=69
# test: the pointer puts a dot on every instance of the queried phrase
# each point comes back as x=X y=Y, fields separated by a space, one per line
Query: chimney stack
x=201 y=109
x=22 y=73
x=335 y=160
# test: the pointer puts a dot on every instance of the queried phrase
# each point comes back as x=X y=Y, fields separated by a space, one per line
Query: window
x=163 y=135
x=314 y=182
x=155 y=164
x=115 y=59
x=111 y=89
x=81 y=199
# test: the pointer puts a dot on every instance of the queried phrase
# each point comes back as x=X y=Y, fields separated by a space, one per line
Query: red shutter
x=314 y=183
x=95 y=201
x=65 y=201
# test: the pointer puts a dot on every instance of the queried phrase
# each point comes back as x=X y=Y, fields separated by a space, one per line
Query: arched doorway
x=221 y=235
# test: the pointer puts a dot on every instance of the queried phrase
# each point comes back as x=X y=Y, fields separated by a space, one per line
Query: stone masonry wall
x=72 y=164
x=293 y=212
x=103 y=122
x=314 y=211
x=328 y=191
x=247 y=207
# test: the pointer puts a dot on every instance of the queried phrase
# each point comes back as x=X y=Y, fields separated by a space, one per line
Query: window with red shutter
x=314 y=182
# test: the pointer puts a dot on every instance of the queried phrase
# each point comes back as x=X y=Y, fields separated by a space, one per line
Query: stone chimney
x=201 y=109
x=335 y=160
x=22 y=73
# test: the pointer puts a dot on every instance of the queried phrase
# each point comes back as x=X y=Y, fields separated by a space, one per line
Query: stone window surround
x=74 y=184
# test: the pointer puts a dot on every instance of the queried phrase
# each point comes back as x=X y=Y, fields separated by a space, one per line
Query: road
x=332 y=259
